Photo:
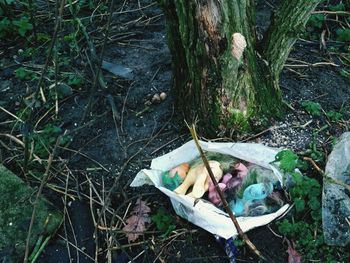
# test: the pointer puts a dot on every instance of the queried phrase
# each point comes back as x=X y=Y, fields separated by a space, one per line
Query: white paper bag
x=204 y=214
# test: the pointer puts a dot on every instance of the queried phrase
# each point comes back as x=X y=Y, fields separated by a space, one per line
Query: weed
x=334 y=115
x=46 y=138
x=75 y=79
x=164 y=222
x=5 y=27
x=313 y=108
x=23 y=74
x=305 y=225
x=23 y=25
x=316 y=21
x=343 y=34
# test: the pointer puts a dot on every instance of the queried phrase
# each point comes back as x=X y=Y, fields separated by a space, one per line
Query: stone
x=336 y=198
x=16 y=206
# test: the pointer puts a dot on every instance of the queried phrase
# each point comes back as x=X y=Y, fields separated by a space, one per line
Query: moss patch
x=16 y=205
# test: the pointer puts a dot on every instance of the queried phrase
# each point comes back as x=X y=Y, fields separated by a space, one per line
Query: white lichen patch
x=238 y=45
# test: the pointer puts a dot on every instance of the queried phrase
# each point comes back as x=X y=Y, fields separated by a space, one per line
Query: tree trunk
x=223 y=75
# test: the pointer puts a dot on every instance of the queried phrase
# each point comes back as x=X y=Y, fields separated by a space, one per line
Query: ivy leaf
x=288 y=160
x=136 y=223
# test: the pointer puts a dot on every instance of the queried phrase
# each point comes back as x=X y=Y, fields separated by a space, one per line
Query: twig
x=222 y=197
x=331 y=12
x=99 y=62
x=42 y=184
x=333 y=180
x=39 y=88
x=11 y=114
x=31 y=14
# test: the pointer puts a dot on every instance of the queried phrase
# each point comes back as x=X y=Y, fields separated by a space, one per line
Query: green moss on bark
x=213 y=85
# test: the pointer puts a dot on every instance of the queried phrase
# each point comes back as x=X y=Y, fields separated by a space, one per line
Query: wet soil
x=143 y=132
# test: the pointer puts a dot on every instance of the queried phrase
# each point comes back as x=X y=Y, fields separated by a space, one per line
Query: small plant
x=313 y=108
x=316 y=21
x=46 y=139
x=23 y=25
x=164 y=221
x=75 y=80
x=334 y=115
x=304 y=226
x=343 y=34
x=288 y=161
x=5 y=27
x=23 y=74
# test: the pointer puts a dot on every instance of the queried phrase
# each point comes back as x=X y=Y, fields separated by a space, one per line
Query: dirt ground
x=108 y=151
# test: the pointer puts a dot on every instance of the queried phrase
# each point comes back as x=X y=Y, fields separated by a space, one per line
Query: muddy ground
x=99 y=151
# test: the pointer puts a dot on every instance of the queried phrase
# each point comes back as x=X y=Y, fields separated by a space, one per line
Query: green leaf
x=314 y=203
x=316 y=20
x=299 y=205
x=22 y=74
x=297 y=177
x=343 y=34
x=23 y=25
x=288 y=160
x=163 y=221
x=313 y=108
x=338 y=7
x=334 y=116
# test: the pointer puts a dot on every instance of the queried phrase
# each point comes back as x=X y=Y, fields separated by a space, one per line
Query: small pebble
x=163 y=96
x=156 y=98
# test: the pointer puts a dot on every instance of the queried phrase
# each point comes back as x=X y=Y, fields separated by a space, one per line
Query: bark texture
x=224 y=75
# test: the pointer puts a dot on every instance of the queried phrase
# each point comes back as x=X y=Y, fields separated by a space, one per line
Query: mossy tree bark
x=223 y=74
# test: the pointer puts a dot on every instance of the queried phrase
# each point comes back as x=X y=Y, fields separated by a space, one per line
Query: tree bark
x=222 y=74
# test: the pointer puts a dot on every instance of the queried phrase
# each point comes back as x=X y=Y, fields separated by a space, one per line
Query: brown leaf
x=136 y=223
x=294 y=256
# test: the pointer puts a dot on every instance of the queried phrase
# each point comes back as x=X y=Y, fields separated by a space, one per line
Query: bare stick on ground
x=222 y=197
x=42 y=184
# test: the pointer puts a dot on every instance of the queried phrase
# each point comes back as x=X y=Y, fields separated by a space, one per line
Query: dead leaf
x=294 y=256
x=136 y=223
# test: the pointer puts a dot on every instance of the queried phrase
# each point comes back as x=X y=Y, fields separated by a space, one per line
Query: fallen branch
x=222 y=197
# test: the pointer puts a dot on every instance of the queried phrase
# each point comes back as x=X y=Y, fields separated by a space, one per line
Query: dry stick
x=99 y=63
x=66 y=213
x=31 y=14
x=223 y=199
x=42 y=184
x=38 y=88
x=332 y=180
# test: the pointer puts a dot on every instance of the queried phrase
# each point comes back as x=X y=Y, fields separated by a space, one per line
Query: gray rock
x=335 y=198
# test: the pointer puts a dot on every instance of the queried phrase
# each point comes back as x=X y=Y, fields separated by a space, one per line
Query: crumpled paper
x=203 y=213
